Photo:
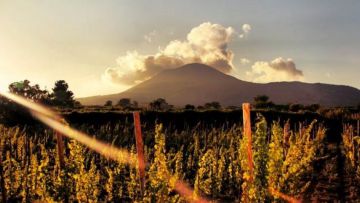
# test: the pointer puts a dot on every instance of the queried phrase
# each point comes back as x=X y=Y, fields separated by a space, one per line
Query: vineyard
x=278 y=162
x=189 y=101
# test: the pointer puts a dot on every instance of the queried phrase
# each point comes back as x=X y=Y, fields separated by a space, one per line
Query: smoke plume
x=277 y=70
x=206 y=43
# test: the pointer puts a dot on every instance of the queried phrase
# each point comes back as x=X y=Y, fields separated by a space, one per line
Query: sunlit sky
x=45 y=41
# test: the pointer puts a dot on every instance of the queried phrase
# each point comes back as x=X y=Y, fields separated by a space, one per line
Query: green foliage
x=276 y=157
x=32 y=92
x=247 y=186
x=213 y=161
x=351 y=151
x=159 y=104
x=127 y=104
x=11 y=112
x=108 y=103
x=159 y=173
x=189 y=107
x=302 y=151
x=313 y=107
x=296 y=107
x=260 y=156
x=213 y=105
x=254 y=183
x=124 y=103
x=62 y=96
x=262 y=101
x=205 y=181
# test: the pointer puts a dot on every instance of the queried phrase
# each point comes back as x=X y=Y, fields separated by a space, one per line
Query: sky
x=103 y=47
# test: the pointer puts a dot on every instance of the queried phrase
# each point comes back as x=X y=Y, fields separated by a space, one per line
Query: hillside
x=197 y=84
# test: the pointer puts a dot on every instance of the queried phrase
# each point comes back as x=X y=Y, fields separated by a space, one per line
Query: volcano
x=198 y=83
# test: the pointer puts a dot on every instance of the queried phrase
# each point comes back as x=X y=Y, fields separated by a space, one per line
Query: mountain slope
x=197 y=84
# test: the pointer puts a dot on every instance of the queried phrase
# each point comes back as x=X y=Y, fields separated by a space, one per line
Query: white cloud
x=246 y=28
x=277 y=70
x=244 y=61
x=134 y=68
x=206 y=43
x=149 y=37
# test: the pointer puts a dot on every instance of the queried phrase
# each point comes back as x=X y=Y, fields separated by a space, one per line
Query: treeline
x=60 y=97
x=261 y=102
x=213 y=161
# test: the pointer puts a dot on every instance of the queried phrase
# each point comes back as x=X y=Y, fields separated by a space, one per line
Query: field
x=174 y=101
x=295 y=157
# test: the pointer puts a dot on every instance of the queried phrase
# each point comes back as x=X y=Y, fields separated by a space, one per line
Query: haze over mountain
x=197 y=84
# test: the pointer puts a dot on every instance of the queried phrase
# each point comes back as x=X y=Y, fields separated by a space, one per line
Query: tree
x=108 y=103
x=127 y=104
x=135 y=104
x=282 y=107
x=124 y=103
x=32 y=92
x=62 y=96
x=213 y=105
x=262 y=101
x=159 y=104
x=189 y=107
x=296 y=107
x=200 y=108
x=313 y=107
x=233 y=108
x=11 y=112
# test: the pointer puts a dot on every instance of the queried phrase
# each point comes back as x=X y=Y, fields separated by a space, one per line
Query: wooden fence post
x=139 y=150
x=60 y=149
x=61 y=152
x=247 y=133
